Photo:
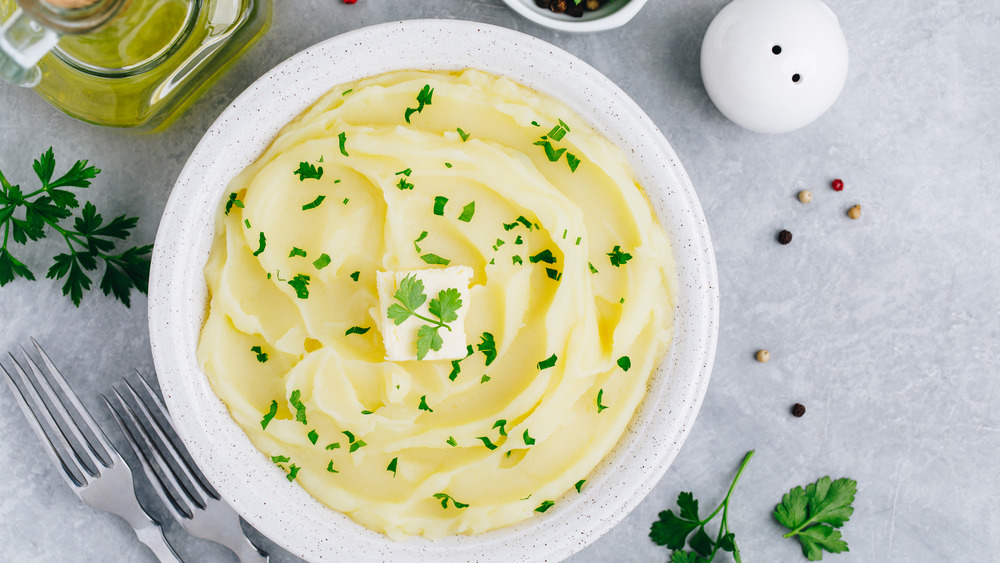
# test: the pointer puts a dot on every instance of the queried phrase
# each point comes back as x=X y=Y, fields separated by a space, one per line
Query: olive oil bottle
x=125 y=63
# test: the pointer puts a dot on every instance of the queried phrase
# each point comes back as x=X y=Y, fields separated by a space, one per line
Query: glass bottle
x=125 y=63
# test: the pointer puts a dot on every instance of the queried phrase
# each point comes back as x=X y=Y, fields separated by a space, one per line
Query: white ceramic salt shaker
x=773 y=66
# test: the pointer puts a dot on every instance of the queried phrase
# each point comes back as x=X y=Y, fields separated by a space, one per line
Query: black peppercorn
x=784 y=237
x=798 y=409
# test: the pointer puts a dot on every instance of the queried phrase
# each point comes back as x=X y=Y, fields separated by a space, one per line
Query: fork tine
x=57 y=450
x=108 y=456
x=177 y=511
x=163 y=415
x=84 y=450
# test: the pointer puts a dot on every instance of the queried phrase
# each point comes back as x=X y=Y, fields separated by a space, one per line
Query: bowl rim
x=617 y=18
x=177 y=294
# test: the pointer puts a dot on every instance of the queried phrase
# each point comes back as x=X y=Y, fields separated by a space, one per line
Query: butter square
x=401 y=341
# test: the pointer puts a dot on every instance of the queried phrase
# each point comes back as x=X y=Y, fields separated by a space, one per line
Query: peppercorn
x=592 y=4
x=784 y=237
x=854 y=212
x=837 y=185
x=805 y=196
x=762 y=356
x=574 y=9
x=798 y=409
x=558 y=6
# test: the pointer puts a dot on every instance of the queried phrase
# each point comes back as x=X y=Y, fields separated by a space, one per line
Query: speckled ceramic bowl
x=177 y=295
x=612 y=14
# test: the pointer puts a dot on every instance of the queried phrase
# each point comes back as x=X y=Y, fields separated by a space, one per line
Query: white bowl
x=177 y=294
x=609 y=16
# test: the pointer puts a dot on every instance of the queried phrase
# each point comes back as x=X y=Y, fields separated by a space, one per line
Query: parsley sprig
x=89 y=239
x=411 y=296
x=672 y=530
x=813 y=514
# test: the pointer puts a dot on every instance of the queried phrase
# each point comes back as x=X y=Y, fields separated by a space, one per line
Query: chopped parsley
x=422 y=236
x=300 y=409
x=445 y=498
x=410 y=295
x=261 y=355
x=424 y=97
x=269 y=415
x=528 y=440
x=463 y=134
x=343 y=143
x=346 y=200
x=544 y=506
x=356 y=275
x=625 y=363
x=346 y=92
x=333 y=446
x=524 y=221
x=280 y=459
x=456 y=368
x=578 y=239
x=247 y=222
x=263 y=244
x=515 y=259
x=572 y=161
x=553 y=274
x=484 y=379
x=600 y=395
x=300 y=283
x=293 y=470
x=322 y=262
x=366 y=412
x=392 y=466
x=404 y=185
x=486 y=442
x=314 y=204
x=467 y=212
x=550 y=152
x=406 y=172
x=488 y=347
x=423 y=404
x=330 y=467
x=547 y=362
x=233 y=201
x=498 y=244
x=519 y=240
x=350 y=436
x=543 y=256
x=313 y=436
x=451 y=441
x=579 y=485
x=308 y=171
x=439 y=203
x=501 y=424
x=447 y=165
x=593 y=270
x=356 y=445
x=535 y=123
x=435 y=259
x=296 y=251
x=357 y=330
x=618 y=258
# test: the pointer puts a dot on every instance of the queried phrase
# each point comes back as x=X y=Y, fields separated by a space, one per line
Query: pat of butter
x=401 y=340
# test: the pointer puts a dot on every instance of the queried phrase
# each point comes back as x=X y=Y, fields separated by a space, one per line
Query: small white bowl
x=284 y=511
x=615 y=13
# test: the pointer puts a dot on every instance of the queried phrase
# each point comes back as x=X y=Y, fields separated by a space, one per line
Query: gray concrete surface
x=886 y=328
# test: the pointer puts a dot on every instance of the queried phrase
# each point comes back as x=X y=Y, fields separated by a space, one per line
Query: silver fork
x=90 y=464
x=184 y=490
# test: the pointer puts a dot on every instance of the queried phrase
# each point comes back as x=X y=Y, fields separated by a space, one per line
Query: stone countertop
x=886 y=328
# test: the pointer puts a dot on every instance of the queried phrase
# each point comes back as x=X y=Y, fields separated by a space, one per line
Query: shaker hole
x=796 y=77
x=776 y=49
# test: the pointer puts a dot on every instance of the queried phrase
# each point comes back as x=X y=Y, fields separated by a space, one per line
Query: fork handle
x=246 y=552
x=151 y=534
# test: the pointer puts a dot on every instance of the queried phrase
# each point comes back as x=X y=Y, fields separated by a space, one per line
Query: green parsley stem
x=436 y=322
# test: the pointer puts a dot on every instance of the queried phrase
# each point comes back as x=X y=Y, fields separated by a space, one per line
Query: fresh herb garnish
x=486 y=442
x=423 y=404
x=356 y=445
x=579 y=485
x=296 y=251
x=545 y=506
x=447 y=165
x=308 y=171
x=247 y=223
x=501 y=425
x=519 y=240
x=553 y=274
x=346 y=92
x=600 y=396
x=547 y=362
x=300 y=409
x=333 y=446
x=343 y=143
x=261 y=355
x=618 y=258
x=439 y=203
x=350 y=436
x=313 y=204
x=445 y=498
x=89 y=238
x=356 y=275
x=424 y=97
x=322 y=262
x=405 y=172
x=572 y=161
x=435 y=259
x=484 y=379
x=422 y=236
x=367 y=412
x=293 y=471
x=410 y=295
x=300 y=283
x=672 y=530
x=269 y=415
x=467 y=212
x=392 y=466
x=233 y=201
x=488 y=347
x=357 y=330
x=404 y=185
x=515 y=259
x=578 y=239
x=543 y=256
x=451 y=441
x=313 y=436
x=280 y=459
x=263 y=244
x=463 y=134
x=813 y=514
x=524 y=221
x=550 y=152
x=625 y=363
x=593 y=270
x=528 y=440
x=330 y=467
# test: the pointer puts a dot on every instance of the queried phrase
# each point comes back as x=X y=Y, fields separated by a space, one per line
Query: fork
x=184 y=490
x=90 y=464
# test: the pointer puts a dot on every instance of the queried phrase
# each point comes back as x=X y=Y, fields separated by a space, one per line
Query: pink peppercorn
x=837 y=185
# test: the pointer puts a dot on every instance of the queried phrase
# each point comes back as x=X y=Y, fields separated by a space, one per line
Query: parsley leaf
x=488 y=347
x=424 y=97
x=625 y=363
x=423 y=404
x=543 y=256
x=309 y=171
x=548 y=362
x=579 y=485
x=545 y=506
x=435 y=259
x=300 y=283
x=229 y=204
x=444 y=498
x=813 y=513
x=392 y=466
x=269 y=415
x=528 y=440
x=422 y=236
x=618 y=258
x=357 y=330
x=446 y=305
x=451 y=441
x=410 y=295
x=463 y=134
x=313 y=436
x=439 y=203
x=343 y=143
x=312 y=205
x=467 y=212
x=428 y=339
x=296 y=251
x=672 y=530
x=300 y=409
x=263 y=244
x=261 y=355
x=322 y=262
x=600 y=396
x=487 y=442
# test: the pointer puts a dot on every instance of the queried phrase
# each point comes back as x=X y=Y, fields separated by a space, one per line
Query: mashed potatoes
x=570 y=301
